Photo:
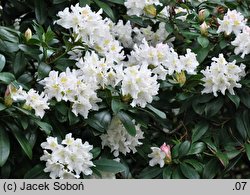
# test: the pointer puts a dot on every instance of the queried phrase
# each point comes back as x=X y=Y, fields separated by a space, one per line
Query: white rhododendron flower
x=139 y=83
x=150 y=36
x=98 y=70
x=92 y=30
x=242 y=42
x=124 y=33
x=68 y=159
x=233 y=21
x=32 y=100
x=179 y=10
x=157 y=156
x=72 y=86
x=163 y=59
x=119 y=140
x=136 y=7
x=37 y=102
x=222 y=76
x=160 y=155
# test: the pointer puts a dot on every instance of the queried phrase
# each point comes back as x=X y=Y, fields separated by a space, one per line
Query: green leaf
x=32 y=51
x=41 y=11
x=107 y=165
x=157 y=112
x=117 y=105
x=100 y=121
x=85 y=2
x=196 y=164
x=46 y=127
x=245 y=98
x=58 y=1
x=6 y=77
x=22 y=140
x=199 y=103
x=213 y=107
x=96 y=152
x=177 y=173
x=211 y=169
x=7 y=35
x=199 y=130
x=175 y=150
x=203 y=41
x=43 y=70
x=167 y=172
x=4 y=146
x=121 y=2
x=2 y=107
x=35 y=172
x=189 y=172
x=6 y=46
x=184 y=148
x=223 y=158
x=19 y=63
x=73 y=119
x=150 y=172
x=247 y=147
x=106 y=8
x=202 y=54
x=127 y=122
x=2 y=62
x=242 y=125
x=234 y=98
x=197 y=148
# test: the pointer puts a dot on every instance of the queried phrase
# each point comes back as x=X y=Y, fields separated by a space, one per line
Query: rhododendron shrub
x=124 y=89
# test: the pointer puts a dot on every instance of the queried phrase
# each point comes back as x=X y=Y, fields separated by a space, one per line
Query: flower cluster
x=139 y=83
x=68 y=159
x=222 y=76
x=242 y=42
x=118 y=139
x=130 y=36
x=32 y=100
x=233 y=21
x=72 y=86
x=137 y=8
x=91 y=29
x=160 y=155
x=163 y=59
x=99 y=71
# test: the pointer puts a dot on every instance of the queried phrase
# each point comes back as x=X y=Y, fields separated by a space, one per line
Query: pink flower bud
x=167 y=150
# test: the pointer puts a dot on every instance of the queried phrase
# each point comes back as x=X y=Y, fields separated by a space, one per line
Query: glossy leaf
x=4 y=146
x=2 y=62
x=199 y=130
x=106 y=8
x=189 y=172
x=211 y=169
x=150 y=172
x=6 y=77
x=184 y=148
x=127 y=122
x=107 y=165
x=22 y=140
x=40 y=11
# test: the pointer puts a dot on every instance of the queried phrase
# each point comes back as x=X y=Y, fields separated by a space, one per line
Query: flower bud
x=204 y=28
x=126 y=98
x=7 y=96
x=180 y=78
x=167 y=150
x=203 y=14
x=28 y=34
x=150 y=10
